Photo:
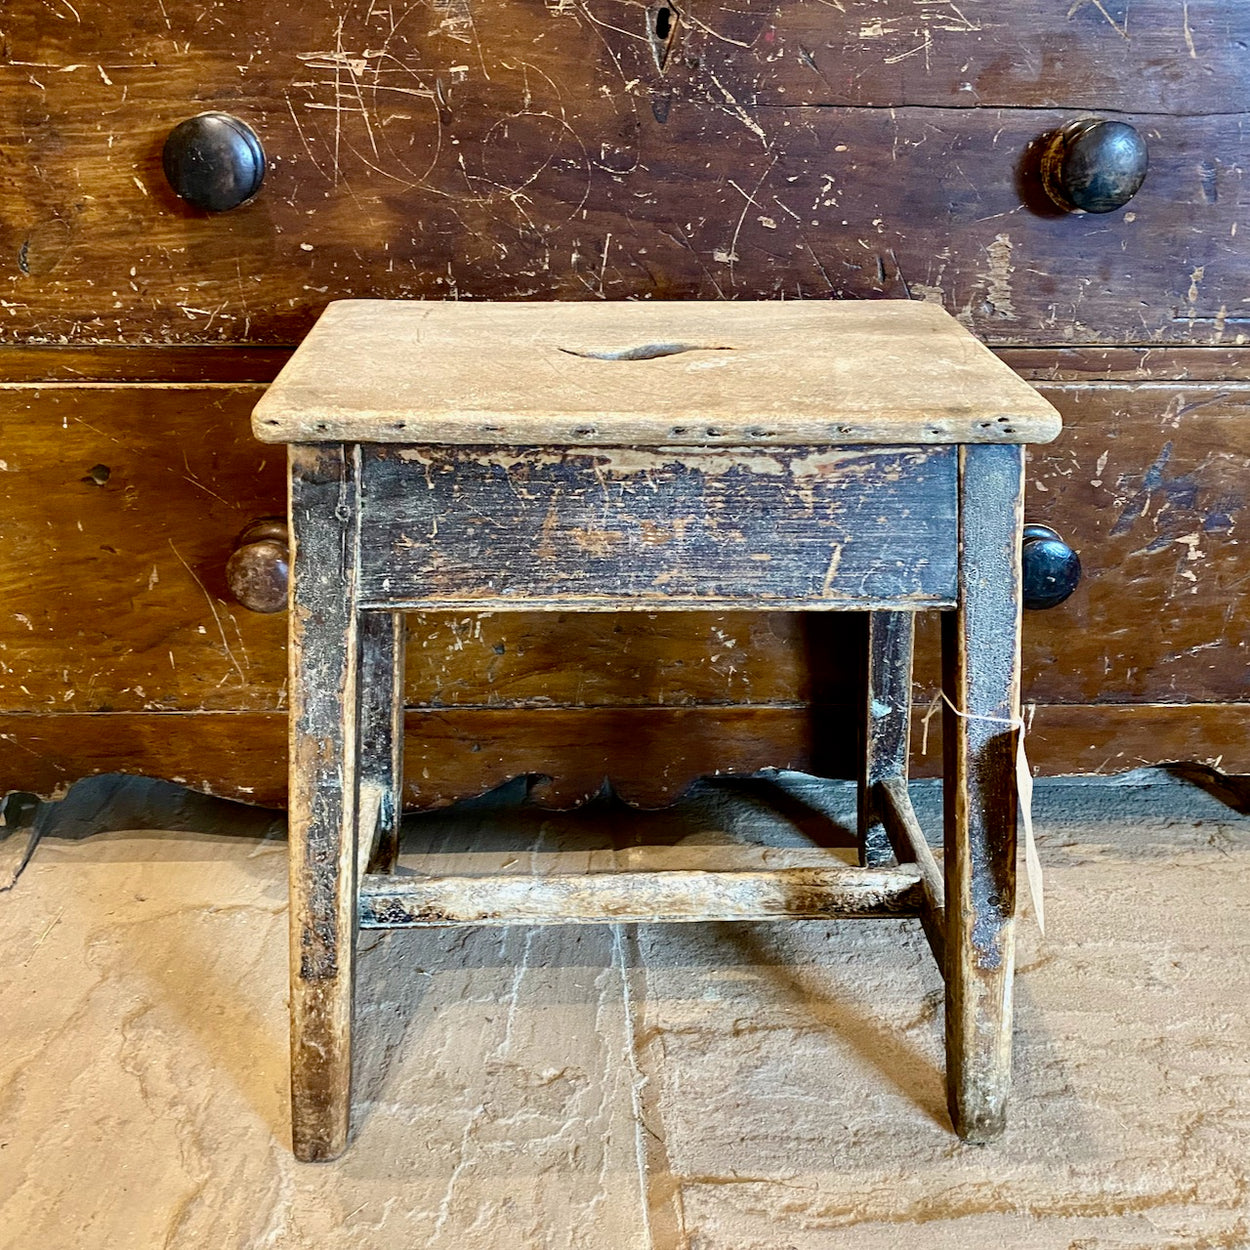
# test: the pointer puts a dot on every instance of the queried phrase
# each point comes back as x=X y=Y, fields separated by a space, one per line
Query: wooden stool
x=858 y=456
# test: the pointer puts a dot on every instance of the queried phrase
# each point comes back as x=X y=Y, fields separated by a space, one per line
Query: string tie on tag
x=1024 y=793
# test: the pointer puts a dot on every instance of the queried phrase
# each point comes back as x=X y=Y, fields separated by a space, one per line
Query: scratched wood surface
x=671 y=373
x=522 y=151
x=1133 y=55
x=1128 y=364
x=632 y=528
x=120 y=508
x=115 y=363
x=1150 y=486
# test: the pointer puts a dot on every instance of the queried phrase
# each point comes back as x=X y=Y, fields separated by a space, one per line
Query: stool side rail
x=653 y=528
x=843 y=892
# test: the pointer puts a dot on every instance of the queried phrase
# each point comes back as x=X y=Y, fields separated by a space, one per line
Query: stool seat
x=818 y=456
x=648 y=374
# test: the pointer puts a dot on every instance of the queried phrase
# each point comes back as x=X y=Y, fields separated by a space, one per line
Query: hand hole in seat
x=647 y=351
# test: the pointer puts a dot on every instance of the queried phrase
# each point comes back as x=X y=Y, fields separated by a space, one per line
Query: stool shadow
x=117 y=802
x=879 y=1044
x=388 y=1001
x=391 y=991
x=395 y=1023
x=190 y=981
x=772 y=797
x=768 y=810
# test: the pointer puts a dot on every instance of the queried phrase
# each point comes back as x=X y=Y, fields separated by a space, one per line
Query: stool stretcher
x=388 y=902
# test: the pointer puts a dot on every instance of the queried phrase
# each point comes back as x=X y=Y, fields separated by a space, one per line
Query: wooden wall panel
x=235 y=363
x=105 y=580
x=1148 y=483
x=121 y=505
x=43 y=363
x=1129 y=364
x=525 y=151
x=1124 y=55
x=1151 y=484
x=665 y=659
x=120 y=508
x=651 y=754
x=816 y=148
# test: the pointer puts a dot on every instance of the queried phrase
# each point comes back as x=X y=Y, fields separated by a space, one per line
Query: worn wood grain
x=324 y=791
x=523 y=659
x=874 y=52
x=611 y=528
x=637 y=897
x=121 y=505
x=1128 y=364
x=650 y=754
x=671 y=374
x=981 y=712
x=885 y=711
x=1147 y=483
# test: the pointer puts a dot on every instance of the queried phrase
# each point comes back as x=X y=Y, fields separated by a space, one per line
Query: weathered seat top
x=647 y=374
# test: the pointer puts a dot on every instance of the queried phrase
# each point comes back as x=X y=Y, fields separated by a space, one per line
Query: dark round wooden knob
x=1094 y=166
x=1052 y=570
x=214 y=161
x=259 y=569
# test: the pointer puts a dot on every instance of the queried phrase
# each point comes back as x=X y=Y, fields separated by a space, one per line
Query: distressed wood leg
x=885 y=725
x=324 y=655
x=381 y=738
x=981 y=677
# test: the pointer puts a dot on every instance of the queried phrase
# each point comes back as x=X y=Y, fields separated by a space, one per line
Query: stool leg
x=981 y=677
x=324 y=656
x=885 y=724
x=381 y=737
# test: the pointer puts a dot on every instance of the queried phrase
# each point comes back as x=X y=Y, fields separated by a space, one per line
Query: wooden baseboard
x=650 y=754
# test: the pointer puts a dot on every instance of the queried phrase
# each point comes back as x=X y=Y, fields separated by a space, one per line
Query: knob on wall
x=258 y=570
x=1052 y=570
x=1093 y=165
x=214 y=161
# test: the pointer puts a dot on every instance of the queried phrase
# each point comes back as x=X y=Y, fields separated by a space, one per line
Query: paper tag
x=1032 y=862
x=1024 y=792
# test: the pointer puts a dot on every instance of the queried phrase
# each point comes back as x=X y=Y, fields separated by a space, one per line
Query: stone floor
x=753 y=1087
